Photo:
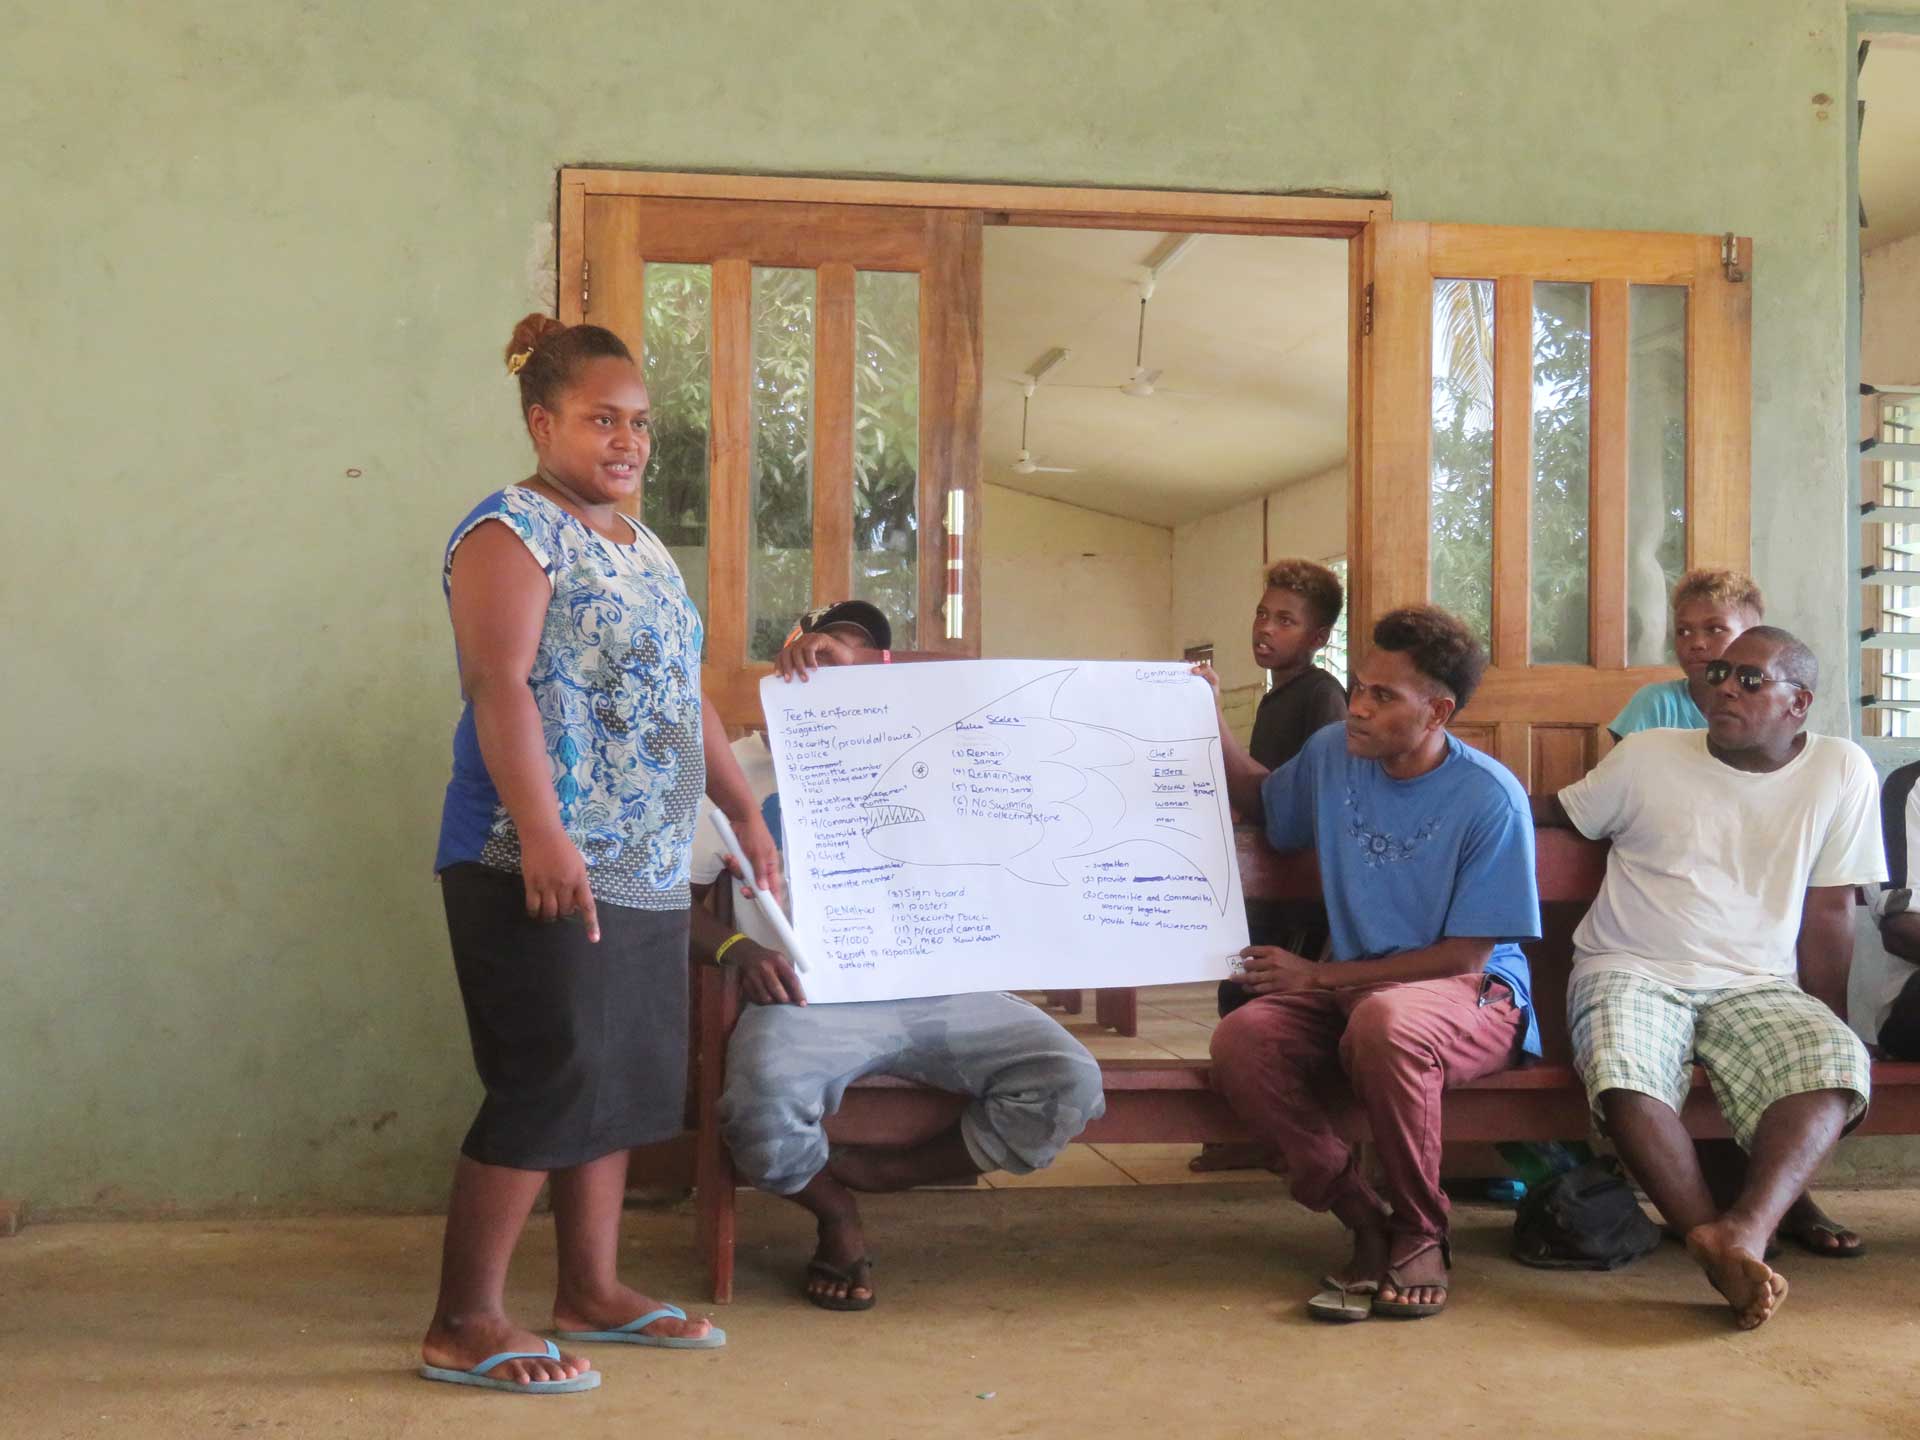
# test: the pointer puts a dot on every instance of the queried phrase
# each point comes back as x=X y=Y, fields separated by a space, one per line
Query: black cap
x=857 y=613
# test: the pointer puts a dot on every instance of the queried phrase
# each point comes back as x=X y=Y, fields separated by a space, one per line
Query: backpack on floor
x=1585 y=1219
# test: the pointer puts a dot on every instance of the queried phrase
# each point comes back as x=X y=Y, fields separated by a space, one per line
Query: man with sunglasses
x=1723 y=933
x=1710 y=609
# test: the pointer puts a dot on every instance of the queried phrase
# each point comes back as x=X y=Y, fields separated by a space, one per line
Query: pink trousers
x=1287 y=1062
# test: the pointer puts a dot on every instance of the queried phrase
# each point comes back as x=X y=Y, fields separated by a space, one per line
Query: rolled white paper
x=769 y=906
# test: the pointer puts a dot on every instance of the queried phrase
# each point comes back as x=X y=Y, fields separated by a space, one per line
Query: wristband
x=720 y=955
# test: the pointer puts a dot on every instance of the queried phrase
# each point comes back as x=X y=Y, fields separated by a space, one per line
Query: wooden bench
x=1172 y=1100
x=1117 y=1009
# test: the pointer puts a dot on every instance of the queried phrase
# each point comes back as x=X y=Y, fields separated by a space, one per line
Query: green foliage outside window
x=1461 y=552
x=886 y=448
x=886 y=440
x=1461 y=544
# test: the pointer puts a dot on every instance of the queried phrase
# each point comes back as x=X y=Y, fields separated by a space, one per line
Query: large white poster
x=1004 y=824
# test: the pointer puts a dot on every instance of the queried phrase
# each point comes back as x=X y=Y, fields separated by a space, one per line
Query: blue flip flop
x=479 y=1375
x=629 y=1333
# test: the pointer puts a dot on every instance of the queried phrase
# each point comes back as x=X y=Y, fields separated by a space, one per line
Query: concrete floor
x=1110 y=1311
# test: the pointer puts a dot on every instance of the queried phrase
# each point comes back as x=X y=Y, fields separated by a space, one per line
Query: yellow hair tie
x=517 y=363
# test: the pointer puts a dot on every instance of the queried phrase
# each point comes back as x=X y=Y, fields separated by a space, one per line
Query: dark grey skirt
x=582 y=1047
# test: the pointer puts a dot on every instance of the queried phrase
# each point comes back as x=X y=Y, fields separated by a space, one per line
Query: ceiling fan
x=1143 y=383
x=1029 y=383
x=1140 y=386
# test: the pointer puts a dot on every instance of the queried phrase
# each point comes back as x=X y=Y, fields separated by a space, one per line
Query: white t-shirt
x=1710 y=865
x=756 y=763
x=1880 y=975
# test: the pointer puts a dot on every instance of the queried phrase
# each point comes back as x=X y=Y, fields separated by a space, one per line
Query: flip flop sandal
x=1408 y=1310
x=629 y=1333
x=1823 y=1227
x=1343 y=1302
x=481 y=1377
x=858 y=1273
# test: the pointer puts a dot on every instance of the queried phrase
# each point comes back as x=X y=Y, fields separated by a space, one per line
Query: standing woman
x=564 y=847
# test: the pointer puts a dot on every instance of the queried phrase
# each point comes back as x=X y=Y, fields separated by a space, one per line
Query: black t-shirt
x=1292 y=712
x=1288 y=715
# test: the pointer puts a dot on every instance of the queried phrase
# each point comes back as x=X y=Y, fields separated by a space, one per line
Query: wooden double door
x=1546 y=427
x=1553 y=426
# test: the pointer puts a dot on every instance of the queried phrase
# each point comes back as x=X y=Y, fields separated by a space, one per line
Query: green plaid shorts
x=1759 y=1044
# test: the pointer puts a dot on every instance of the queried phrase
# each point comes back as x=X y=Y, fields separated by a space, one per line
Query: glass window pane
x=1333 y=659
x=1656 y=465
x=780 y=531
x=1562 y=414
x=1461 y=551
x=886 y=447
x=1893 y=608
x=679 y=369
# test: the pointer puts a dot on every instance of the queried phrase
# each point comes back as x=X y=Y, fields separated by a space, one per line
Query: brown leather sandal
x=1407 y=1310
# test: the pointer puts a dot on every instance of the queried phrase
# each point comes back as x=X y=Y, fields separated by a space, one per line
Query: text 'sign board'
x=1004 y=825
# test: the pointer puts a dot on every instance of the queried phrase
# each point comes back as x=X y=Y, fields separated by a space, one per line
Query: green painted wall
x=252 y=249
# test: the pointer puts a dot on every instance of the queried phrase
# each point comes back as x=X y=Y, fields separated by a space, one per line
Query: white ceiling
x=1890 y=140
x=1251 y=332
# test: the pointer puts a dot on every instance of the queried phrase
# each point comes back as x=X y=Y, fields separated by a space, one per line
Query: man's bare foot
x=1233 y=1155
x=1753 y=1289
x=460 y=1342
x=1817 y=1232
x=620 y=1306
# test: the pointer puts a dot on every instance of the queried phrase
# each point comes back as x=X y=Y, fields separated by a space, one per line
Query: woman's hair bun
x=528 y=335
x=546 y=356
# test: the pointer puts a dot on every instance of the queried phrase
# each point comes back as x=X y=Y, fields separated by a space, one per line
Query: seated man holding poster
x=1426 y=861
x=1034 y=1086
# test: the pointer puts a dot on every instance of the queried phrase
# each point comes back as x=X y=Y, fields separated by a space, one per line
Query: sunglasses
x=1751 y=677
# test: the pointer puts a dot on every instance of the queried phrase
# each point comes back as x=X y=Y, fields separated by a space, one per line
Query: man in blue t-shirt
x=1426 y=861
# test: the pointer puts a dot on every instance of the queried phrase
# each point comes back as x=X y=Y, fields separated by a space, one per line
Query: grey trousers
x=1034 y=1087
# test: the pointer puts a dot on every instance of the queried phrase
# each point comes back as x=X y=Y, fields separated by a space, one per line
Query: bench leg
x=714 y=1217
x=1118 y=1008
x=1067 y=1002
x=713 y=1177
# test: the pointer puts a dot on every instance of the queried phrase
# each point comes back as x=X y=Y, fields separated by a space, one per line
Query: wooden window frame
x=1547 y=722
x=1314 y=216
x=1863 y=676
x=1387 y=551
x=1223 y=212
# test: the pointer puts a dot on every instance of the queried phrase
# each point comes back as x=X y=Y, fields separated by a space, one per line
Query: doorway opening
x=1163 y=414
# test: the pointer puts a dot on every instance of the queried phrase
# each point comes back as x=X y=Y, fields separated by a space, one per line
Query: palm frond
x=1463 y=336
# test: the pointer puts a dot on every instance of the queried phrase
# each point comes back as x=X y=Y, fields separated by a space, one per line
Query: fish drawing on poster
x=1011 y=785
x=987 y=825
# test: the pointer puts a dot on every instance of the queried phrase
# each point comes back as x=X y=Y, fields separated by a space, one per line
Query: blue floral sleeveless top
x=616 y=679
